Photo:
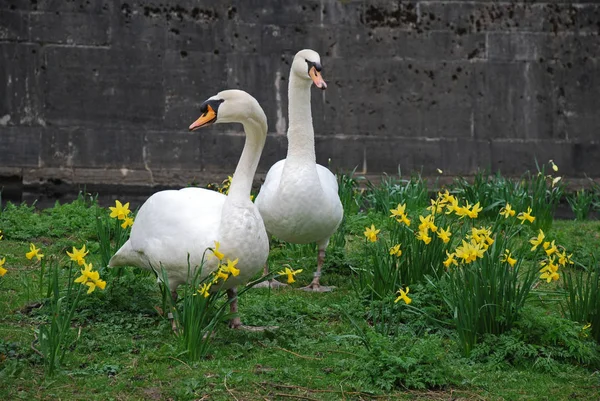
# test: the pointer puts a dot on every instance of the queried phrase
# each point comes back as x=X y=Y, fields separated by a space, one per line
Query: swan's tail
x=125 y=256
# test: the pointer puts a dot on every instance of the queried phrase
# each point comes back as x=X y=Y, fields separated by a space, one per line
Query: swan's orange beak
x=317 y=78
x=205 y=119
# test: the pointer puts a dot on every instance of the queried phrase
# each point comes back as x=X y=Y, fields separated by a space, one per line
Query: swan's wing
x=330 y=187
x=327 y=178
x=271 y=184
x=172 y=224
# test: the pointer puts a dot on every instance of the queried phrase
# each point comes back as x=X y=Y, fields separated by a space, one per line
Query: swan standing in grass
x=299 y=200
x=172 y=224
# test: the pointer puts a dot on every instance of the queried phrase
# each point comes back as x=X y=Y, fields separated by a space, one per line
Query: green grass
x=327 y=346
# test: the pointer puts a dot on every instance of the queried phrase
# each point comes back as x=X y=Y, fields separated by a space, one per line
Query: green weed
x=581 y=203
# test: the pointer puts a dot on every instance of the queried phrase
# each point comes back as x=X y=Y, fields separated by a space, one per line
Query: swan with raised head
x=173 y=224
x=299 y=199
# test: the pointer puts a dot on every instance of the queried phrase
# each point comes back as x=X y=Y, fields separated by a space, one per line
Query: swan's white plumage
x=300 y=204
x=299 y=199
x=174 y=224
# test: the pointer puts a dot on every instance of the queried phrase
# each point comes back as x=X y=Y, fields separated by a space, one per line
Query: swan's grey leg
x=315 y=285
x=235 y=323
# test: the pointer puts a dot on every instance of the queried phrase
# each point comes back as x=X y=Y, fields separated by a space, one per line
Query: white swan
x=299 y=200
x=172 y=224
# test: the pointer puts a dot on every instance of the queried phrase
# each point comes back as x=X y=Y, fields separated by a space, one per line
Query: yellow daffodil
x=549 y=270
x=90 y=278
x=437 y=206
x=231 y=269
x=585 y=329
x=507 y=257
x=554 y=166
x=220 y=273
x=447 y=197
x=564 y=259
x=127 y=222
x=371 y=233
x=461 y=211
x=78 y=255
x=427 y=223
x=119 y=211
x=555 y=181
x=398 y=211
x=473 y=212
x=526 y=216
x=423 y=235
x=403 y=296
x=225 y=185
x=396 y=251
x=404 y=219
x=444 y=235
x=549 y=264
x=2 y=269
x=400 y=214
x=34 y=253
x=452 y=206
x=216 y=252
x=204 y=288
x=549 y=275
x=481 y=236
x=469 y=252
x=550 y=248
x=450 y=259
x=537 y=241
x=507 y=211
x=290 y=274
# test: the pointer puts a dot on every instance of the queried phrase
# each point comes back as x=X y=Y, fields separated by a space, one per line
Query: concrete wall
x=102 y=92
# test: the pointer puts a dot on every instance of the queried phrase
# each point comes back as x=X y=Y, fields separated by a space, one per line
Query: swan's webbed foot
x=315 y=286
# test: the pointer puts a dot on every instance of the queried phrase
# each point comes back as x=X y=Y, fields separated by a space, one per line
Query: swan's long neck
x=241 y=183
x=301 y=136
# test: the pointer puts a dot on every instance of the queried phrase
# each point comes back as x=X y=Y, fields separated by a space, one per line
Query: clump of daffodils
x=450 y=227
x=88 y=276
x=555 y=257
x=222 y=188
x=427 y=223
x=225 y=268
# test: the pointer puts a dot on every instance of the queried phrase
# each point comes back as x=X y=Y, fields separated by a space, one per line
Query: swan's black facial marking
x=213 y=104
x=315 y=64
x=314 y=72
x=209 y=110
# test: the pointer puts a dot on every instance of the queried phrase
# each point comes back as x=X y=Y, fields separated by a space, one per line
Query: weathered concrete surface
x=102 y=92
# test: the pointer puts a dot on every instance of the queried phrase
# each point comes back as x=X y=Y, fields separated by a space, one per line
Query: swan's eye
x=311 y=64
